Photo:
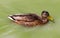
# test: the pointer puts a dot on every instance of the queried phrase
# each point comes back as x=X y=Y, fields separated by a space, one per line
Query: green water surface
x=8 y=29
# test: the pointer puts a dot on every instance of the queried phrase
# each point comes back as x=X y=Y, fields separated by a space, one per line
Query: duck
x=31 y=19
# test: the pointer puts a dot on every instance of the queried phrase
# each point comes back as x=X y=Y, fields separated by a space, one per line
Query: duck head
x=45 y=14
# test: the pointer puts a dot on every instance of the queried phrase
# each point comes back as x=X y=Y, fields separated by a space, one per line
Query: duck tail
x=11 y=17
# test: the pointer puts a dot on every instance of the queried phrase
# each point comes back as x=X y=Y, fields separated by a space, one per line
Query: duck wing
x=25 y=17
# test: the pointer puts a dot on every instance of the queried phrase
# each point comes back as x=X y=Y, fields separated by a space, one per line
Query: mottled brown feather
x=28 y=19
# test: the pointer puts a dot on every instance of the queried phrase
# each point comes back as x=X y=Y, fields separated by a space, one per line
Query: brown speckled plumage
x=30 y=19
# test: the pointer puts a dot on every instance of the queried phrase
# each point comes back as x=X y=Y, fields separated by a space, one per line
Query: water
x=9 y=29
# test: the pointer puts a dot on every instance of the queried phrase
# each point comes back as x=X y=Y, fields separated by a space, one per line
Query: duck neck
x=44 y=20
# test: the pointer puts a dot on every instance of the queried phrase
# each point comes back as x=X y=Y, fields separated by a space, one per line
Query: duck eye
x=44 y=14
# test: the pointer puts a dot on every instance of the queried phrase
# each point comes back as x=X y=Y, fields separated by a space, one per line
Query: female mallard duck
x=31 y=19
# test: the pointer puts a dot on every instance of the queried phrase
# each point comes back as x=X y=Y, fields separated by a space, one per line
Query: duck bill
x=50 y=18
